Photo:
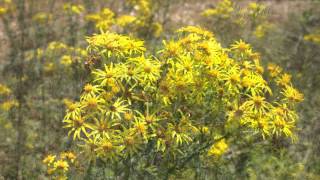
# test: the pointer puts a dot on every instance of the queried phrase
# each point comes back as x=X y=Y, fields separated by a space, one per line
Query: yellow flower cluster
x=254 y=9
x=194 y=89
x=58 y=167
x=313 y=37
x=253 y=13
x=125 y=20
x=262 y=29
x=6 y=102
x=4 y=90
x=139 y=20
x=143 y=7
x=112 y=44
x=6 y=6
x=218 y=148
x=42 y=17
x=224 y=9
x=73 y=9
x=57 y=56
x=3 y=10
x=267 y=115
x=103 y=20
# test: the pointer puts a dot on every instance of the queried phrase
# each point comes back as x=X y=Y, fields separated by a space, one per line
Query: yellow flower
x=256 y=104
x=292 y=94
x=77 y=9
x=143 y=7
x=128 y=116
x=140 y=127
x=66 y=60
x=104 y=19
x=73 y=9
x=262 y=29
x=240 y=46
x=90 y=91
x=255 y=84
x=124 y=20
x=49 y=159
x=284 y=80
x=196 y=30
x=256 y=7
x=132 y=141
x=4 y=90
x=108 y=148
x=71 y=106
x=149 y=69
x=68 y=155
x=115 y=44
x=93 y=17
x=262 y=124
x=50 y=171
x=3 y=11
x=171 y=49
x=61 y=165
x=274 y=70
x=78 y=126
x=49 y=68
x=205 y=130
x=210 y=12
x=7 y=105
x=42 y=17
x=117 y=108
x=313 y=37
x=218 y=148
x=281 y=126
x=223 y=10
x=157 y=29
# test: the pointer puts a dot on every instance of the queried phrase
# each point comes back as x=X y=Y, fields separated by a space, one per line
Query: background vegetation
x=45 y=65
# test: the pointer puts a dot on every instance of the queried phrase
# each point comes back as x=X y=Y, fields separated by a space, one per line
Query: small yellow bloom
x=124 y=20
x=274 y=70
x=313 y=37
x=50 y=171
x=88 y=88
x=240 y=46
x=292 y=94
x=4 y=90
x=49 y=68
x=68 y=155
x=157 y=29
x=61 y=165
x=49 y=159
x=66 y=60
x=128 y=116
x=284 y=80
x=7 y=105
x=3 y=10
x=218 y=149
x=140 y=127
x=205 y=130
x=41 y=17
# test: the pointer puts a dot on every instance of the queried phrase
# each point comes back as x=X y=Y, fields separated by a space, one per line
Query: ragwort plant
x=145 y=115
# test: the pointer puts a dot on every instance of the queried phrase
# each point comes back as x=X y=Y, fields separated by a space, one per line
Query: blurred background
x=44 y=65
